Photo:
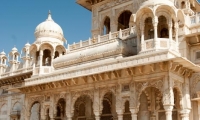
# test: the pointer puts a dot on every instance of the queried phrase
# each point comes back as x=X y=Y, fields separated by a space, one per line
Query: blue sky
x=19 y=18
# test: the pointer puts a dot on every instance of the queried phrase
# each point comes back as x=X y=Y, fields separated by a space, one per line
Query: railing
x=100 y=39
x=42 y=70
x=162 y=43
x=16 y=72
x=15 y=113
x=195 y=19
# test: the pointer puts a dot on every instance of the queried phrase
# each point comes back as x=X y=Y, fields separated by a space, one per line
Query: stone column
x=155 y=24
x=168 y=97
x=52 y=57
x=96 y=104
x=134 y=112
x=138 y=43
x=170 y=33
x=168 y=111
x=185 y=114
x=176 y=37
x=41 y=56
x=142 y=37
x=120 y=114
x=69 y=114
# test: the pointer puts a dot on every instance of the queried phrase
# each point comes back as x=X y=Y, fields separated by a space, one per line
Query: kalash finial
x=49 y=16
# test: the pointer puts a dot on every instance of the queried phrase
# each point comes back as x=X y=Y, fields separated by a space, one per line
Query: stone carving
x=76 y=95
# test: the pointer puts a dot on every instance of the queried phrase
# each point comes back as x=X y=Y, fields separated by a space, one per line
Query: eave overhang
x=68 y=74
x=11 y=80
x=84 y=4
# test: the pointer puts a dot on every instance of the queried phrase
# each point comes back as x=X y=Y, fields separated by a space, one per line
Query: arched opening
x=127 y=113
x=107 y=111
x=60 y=108
x=47 y=115
x=56 y=54
x=143 y=113
x=16 y=110
x=183 y=5
x=83 y=108
x=123 y=20
x=148 y=30
x=35 y=111
x=46 y=61
x=151 y=106
x=3 y=112
x=177 y=107
x=106 y=27
x=37 y=60
x=163 y=31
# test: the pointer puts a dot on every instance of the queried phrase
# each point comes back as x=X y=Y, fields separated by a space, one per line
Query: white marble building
x=141 y=63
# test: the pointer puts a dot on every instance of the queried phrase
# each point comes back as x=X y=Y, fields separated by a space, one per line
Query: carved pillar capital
x=134 y=112
x=185 y=114
x=168 y=111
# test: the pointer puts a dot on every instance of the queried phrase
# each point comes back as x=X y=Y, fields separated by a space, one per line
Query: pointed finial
x=49 y=16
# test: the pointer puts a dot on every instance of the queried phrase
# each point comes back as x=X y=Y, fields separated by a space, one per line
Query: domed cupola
x=49 y=29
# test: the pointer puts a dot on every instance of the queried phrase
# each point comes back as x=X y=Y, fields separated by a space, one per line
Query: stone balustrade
x=119 y=34
x=163 y=43
x=195 y=19
x=17 y=72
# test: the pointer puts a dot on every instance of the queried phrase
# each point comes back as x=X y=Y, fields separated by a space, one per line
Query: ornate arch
x=119 y=11
x=142 y=11
x=57 y=97
x=76 y=95
x=140 y=87
x=194 y=80
x=32 y=101
x=60 y=48
x=103 y=92
x=165 y=14
x=171 y=10
x=33 y=49
x=15 y=104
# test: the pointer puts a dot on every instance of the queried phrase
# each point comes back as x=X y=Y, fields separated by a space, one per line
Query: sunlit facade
x=141 y=63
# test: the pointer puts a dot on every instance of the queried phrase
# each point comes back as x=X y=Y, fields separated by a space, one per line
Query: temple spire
x=49 y=16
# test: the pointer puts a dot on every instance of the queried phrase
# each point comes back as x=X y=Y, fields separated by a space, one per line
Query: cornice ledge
x=98 y=67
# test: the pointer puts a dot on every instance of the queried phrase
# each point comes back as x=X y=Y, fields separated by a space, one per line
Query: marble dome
x=49 y=28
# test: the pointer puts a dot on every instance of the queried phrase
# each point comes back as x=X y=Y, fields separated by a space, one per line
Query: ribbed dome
x=49 y=28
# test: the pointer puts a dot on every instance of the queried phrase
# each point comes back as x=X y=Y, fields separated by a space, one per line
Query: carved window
x=198 y=55
x=47 y=98
x=125 y=88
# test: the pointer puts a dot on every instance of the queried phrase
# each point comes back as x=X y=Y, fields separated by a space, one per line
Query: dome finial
x=49 y=16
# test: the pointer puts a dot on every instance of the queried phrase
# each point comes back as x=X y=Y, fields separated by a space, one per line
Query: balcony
x=162 y=43
x=42 y=70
